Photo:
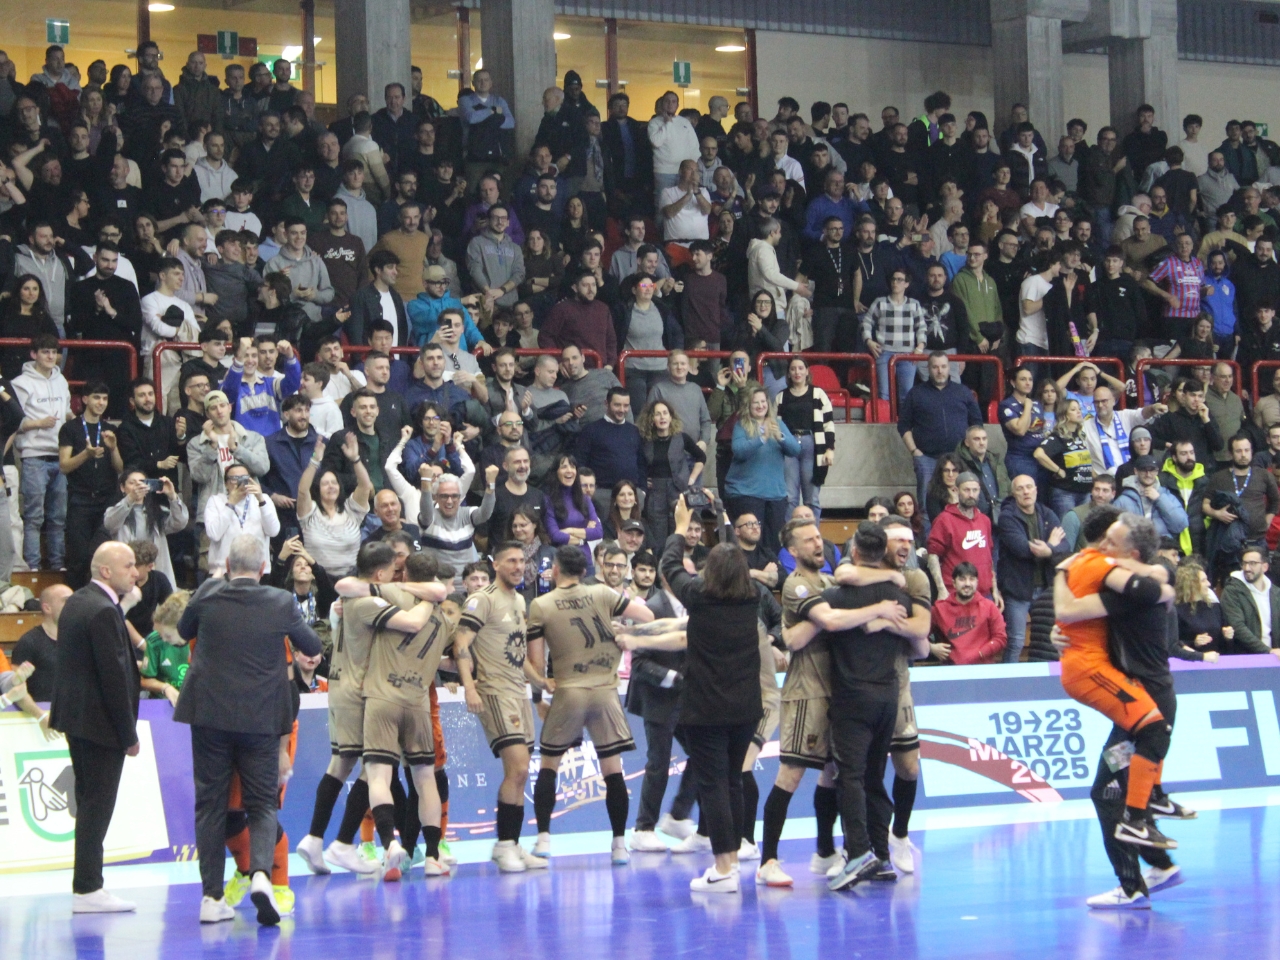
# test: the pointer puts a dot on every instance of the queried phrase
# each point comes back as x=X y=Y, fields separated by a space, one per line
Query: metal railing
x=923 y=358
x=1254 y=384
x=1141 y=367
x=71 y=346
x=848 y=400
x=1116 y=365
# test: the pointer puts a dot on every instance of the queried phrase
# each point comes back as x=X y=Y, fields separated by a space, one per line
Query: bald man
x=95 y=704
x=39 y=645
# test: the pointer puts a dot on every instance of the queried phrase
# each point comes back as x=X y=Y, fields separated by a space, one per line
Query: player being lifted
x=573 y=622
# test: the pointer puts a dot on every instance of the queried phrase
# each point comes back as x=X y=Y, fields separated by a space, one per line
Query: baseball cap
x=434 y=274
x=630 y=525
x=1145 y=462
x=214 y=396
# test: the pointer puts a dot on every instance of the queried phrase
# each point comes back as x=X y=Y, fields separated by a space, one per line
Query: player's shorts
x=805 y=740
x=905 y=735
x=437 y=731
x=768 y=723
x=507 y=720
x=346 y=722
x=1120 y=698
x=598 y=710
x=392 y=730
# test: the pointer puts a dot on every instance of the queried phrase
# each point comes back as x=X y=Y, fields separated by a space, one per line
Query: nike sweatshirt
x=956 y=539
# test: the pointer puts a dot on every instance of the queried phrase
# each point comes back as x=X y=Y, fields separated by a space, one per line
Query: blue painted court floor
x=981 y=890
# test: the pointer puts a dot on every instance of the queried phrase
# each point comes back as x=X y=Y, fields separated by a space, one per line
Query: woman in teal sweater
x=756 y=482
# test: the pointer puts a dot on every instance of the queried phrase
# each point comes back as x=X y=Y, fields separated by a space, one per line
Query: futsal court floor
x=990 y=882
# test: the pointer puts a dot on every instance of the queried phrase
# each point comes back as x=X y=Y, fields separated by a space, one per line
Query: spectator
x=485 y=117
x=525 y=528
x=1251 y=604
x=755 y=482
x=626 y=259
x=363 y=149
x=221 y=443
x=40 y=257
x=611 y=448
x=764 y=272
x=1224 y=406
x=494 y=261
x=330 y=525
x=89 y=458
x=684 y=207
x=1107 y=432
x=362 y=216
x=448 y=526
x=150 y=511
x=167 y=656
x=513 y=494
x=968 y=628
x=934 y=417
x=391 y=523
x=42 y=392
x=1255 y=489
x=241 y=508
x=895 y=324
x=1146 y=496
x=942 y=488
x=963 y=533
x=343 y=253
x=39 y=645
x=806 y=410
x=1023 y=421
x=1031 y=544
x=1065 y=457
x=570 y=515
x=1191 y=421
x=1203 y=634
x=310 y=278
x=584 y=387
x=988 y=466
x=1033 y=327
x=288 y=450
x=673 y=464
x=685 y=399
x=104 y=307
x=673 y=140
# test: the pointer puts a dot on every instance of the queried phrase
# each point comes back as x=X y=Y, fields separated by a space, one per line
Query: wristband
x=315 y=463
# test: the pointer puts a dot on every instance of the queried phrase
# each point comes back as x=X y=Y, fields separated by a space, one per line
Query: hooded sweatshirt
x=305 y=271
x=955 y=539
x=257 y=405
x=40 y=397
x=975 y=630
x=53 y=274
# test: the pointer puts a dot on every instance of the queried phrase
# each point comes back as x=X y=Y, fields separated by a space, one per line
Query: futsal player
x=573 y=623
x=490 y=638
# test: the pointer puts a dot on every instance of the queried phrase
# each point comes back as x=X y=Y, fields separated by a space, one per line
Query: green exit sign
x=1262 y=130
x=681 y=73
x=228 y=43
x=57 y=31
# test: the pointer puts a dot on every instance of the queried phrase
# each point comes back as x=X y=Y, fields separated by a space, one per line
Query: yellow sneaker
x=235 y=889
x=284 y=900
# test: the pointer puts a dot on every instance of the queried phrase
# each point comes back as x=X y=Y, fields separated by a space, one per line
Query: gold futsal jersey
x=402 y=666
x=808 y=674
x=362 y=618
x=576 y=621
x=496 y=616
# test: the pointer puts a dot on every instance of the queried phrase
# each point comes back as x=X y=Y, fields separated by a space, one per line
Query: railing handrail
x=924 y=357
x=1142 y=365
x=621 y=368
x=869 y=408
x=119 y=345
x=1253 y=377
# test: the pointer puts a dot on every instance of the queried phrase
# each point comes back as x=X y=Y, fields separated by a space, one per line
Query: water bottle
x=544 y=576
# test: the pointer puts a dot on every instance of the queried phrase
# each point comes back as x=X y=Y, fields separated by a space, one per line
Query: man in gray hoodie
x=307 y=272
x=45 y=398
x=40 y=257
x=362 y=218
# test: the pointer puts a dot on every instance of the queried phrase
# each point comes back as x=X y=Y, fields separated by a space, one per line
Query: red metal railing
x=954 y=358
x=71 y=346
x=621 y=368
x=870 y=413
x=1254 y=383
x=1117 y=368
x=1141 y=367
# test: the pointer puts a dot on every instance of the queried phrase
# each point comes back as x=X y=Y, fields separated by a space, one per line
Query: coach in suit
x=95 y=703
x=653 y=694
x=239 y=702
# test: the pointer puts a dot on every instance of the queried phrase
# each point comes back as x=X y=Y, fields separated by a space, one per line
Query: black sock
x=750 y=805
x=544 y=799
x=775 y=816
x=384 y=819
x=826 y=809
x=327 y=792
x=432 y=836
x=357 y=805
x=410 y=822
x=1135 y=814
x=510 y=820
x=397 y=795
x=904 y=799
x=442 y=784
x=616 y=802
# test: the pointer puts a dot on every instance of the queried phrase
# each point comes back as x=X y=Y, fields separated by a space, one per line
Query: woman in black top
x=1067 y=459
x=673 y=465
x=26 y=314
x=942 y=488
x=1202 y=632
x=1199 y=346
x=806 y=410
x=720 y=703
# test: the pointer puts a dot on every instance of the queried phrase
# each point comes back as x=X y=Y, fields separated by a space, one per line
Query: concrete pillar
x=1026 y=48
x=520 y=53
x=1145 y=70
x=373 y=48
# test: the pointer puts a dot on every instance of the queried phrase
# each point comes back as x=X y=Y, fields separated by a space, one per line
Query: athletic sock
x=432 y=836
x=904 y=800
x=616 y=802
x=775 y=817
x=442 y=788
x=1142 y=777
x=397 y=795
x=750 y=805
x=544 y=798
x=357 y=804
x=280 y=859
x=826 y=809
x=384 y=817
x=510 y=819
x=327 y=792
x=239 y=847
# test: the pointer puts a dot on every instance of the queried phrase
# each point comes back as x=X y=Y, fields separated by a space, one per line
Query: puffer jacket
x=199 y=101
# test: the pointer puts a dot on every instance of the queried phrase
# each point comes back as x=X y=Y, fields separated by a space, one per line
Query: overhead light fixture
x=291 y=53
x=316 y=40
x=480 y=64
x=730 y=48
x=160 y=7
x=561 y=36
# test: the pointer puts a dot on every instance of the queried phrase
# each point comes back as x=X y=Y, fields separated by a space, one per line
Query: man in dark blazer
x=95 y=704
x=654 y=694
x=239 y=701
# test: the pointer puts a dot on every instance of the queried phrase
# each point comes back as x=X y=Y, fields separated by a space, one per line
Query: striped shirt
x=898 y=326
x=1185 y=277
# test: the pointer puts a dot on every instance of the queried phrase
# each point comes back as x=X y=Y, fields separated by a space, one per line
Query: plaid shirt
x=898 y=326
x=1185 y=280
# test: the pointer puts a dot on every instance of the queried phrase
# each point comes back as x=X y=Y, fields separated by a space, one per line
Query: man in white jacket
x=45 y=397
x=763 y=272
x=673 y=140
x=240 y=508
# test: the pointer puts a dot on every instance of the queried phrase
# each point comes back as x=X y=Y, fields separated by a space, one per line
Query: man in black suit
x=239 y=701
x=95 y=704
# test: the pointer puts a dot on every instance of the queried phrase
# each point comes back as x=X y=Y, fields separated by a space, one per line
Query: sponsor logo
x=47 y=794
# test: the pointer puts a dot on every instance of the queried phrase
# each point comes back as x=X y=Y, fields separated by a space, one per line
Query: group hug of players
x=844 y=708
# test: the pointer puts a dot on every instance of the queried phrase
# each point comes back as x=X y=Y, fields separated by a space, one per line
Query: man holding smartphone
x=89 y=458
x=240 y=508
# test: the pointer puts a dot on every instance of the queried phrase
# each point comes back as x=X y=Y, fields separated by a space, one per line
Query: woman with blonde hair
x=673 y=464
x=1066 y=458
x=1203 y=633
x=756 y=481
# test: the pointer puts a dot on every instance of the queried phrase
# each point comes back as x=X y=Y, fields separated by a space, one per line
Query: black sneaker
x=1162 y=805
x=1142 y=832
x=884 y=873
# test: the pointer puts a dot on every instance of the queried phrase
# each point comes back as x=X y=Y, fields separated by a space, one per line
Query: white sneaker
x=393 y=857
x=646 y=841
x=542 y=846
x=748 y=851
x=532 y=862
x=820 y=865
x=509 y=857
x=694 y=843
x=680 y=829
x=1158 y=879
x=347 y=856
x=902 y=854
x=215 y=911
x=713 y=882
x=842 y=859
x=263 y=896
x=311 y=850
x=100 y=902
x=431 y=867
x=618 y=852
x=1117 y=899
x=771 y=874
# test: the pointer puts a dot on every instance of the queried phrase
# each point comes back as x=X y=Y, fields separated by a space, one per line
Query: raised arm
x=305 y=505
x=364 y=486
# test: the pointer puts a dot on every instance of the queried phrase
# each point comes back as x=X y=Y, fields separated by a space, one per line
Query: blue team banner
x=988 y=735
